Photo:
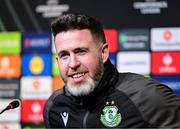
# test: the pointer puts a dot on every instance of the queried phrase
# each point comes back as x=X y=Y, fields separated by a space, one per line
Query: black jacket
x=121 y=100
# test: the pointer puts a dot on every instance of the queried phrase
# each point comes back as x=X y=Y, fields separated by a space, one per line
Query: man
x=95 y=94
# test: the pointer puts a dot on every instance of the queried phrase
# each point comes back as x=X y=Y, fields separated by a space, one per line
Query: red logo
x=165 y=63
x=4 y=126
x=111 y=39
x=32 y=110
x=36 y=83
x=167 y=35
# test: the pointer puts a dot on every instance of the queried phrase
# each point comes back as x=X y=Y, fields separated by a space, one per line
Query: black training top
x=121 y=100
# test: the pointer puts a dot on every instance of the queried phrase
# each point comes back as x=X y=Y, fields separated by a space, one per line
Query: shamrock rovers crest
x=111 y=117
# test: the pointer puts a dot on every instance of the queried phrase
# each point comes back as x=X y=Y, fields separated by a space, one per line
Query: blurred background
x=143 y=36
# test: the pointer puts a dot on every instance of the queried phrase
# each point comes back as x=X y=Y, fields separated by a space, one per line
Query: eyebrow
x=74 y=50
x=80 y=48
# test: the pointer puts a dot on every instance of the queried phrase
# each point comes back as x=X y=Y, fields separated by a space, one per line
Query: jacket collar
x=108 y=80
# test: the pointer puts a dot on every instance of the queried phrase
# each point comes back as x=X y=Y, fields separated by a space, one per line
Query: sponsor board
x=134 y=40
x=165 y=39
x=171 y=81
x=36 y=64
x=111 y=39
x=55 y=69
x=36 y=42
x=9 y=88
x=57 y=83
x=10 y=66
x=137 y=62
x=10 y=42
x=36 y=87
x=9 y=115
x=165 y=63
x=32 y=111
x=9 y=125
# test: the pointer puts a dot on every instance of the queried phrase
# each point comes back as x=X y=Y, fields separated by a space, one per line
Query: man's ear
x=105 y=52
x=57 y=60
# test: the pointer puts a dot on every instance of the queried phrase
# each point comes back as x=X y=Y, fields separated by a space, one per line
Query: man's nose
x=73 y=62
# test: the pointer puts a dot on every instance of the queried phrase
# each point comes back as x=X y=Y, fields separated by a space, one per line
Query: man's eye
x=81 y=52
x=64 y=56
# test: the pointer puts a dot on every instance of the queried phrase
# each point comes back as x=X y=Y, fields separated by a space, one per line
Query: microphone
x=12 y=105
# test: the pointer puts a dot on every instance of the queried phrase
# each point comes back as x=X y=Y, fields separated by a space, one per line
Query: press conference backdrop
x=143 y=36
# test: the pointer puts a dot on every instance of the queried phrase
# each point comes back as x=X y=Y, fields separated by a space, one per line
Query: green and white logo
x=111 y=118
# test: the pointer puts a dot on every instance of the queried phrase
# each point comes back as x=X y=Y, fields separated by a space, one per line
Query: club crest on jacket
x=110 y=116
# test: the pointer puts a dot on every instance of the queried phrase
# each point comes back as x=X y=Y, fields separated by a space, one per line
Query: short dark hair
x=71 y=21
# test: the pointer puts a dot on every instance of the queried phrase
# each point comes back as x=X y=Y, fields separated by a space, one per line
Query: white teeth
x=78 y=75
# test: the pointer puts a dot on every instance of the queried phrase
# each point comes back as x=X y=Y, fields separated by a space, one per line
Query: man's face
x=80 y=60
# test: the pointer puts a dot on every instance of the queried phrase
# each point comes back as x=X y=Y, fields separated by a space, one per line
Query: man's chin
x=77 y=84
x=81 y=89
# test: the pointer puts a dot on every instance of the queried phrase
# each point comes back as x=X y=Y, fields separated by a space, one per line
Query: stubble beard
x=89 y=85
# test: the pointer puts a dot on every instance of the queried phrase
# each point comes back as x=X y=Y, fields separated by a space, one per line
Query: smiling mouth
x=78 y=77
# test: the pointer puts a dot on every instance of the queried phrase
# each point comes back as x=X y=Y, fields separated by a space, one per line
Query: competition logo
x=110 y=116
